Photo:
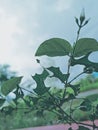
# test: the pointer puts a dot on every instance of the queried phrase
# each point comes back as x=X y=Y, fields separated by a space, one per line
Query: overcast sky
x=25 y=24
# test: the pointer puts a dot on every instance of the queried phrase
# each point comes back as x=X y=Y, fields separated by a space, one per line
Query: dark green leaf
x=54 y=47
x=92 y=116
x=83 y=128
x=86 y=105
x=77 y=21
x=10 y=84
x=84 y=61
x=27 y=102
x=84 y=46
x=76 y=88
x=1 y=101
x=19 y=93
x=7 y=110
x=39 y=78
x=39 y=113
x=58 y=74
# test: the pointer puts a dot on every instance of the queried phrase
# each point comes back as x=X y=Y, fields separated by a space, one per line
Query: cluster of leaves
x=43 y=98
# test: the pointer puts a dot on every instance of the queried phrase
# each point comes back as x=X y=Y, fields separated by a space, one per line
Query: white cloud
x=16 y=47
x=63 y=5
x=8 y=27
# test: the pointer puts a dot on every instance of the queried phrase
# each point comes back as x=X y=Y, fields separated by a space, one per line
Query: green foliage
x=10 y=84
x=69 y=90
x=2 y=101
x=58 y=74
x=5 y=73
x=54 y=47
x=84 y=46
x=39 y=78
x=86 y=105
x=85 y=61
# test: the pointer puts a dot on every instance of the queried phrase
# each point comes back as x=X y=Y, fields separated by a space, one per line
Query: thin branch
x=75 y=77
x=87 y=124
x=27 y=90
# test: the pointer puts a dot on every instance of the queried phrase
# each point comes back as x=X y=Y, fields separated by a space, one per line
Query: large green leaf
x=54 y=47
x=10 y=84
x=58 y=74
x=84 y=46
x=39 y=78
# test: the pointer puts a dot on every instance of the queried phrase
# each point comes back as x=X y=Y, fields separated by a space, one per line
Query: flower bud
x=82 y=17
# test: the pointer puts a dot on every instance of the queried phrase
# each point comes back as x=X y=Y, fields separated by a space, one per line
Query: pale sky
x=25 y=24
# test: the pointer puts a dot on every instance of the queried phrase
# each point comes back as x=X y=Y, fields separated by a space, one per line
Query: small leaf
x=10 y=84
x=69 y=90
x=83 y=128
x=58 y=74
x=77 y=21
x=76 y=88
x=84 y=46
x=54 y=47
x=39 y=78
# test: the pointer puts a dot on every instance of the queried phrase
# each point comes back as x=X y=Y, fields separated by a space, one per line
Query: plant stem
x=66 y=83
x=75 y=77
x=93 y=119
x=27 y=90
x=87 y=125
x=75 y=120
x=78 y=33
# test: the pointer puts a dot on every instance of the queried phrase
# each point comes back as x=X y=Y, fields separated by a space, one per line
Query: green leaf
x=69 y=90
x=86 y=105
x=83 y=128
x=84 y=61
x=10 y=84
x=7 y=110
x=39 y=78
x=1 y=101
x=58 y=74
x=84 y=46
x=76 y=88
x=54 y=47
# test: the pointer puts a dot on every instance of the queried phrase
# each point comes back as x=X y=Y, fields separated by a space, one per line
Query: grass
x=89 y=87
